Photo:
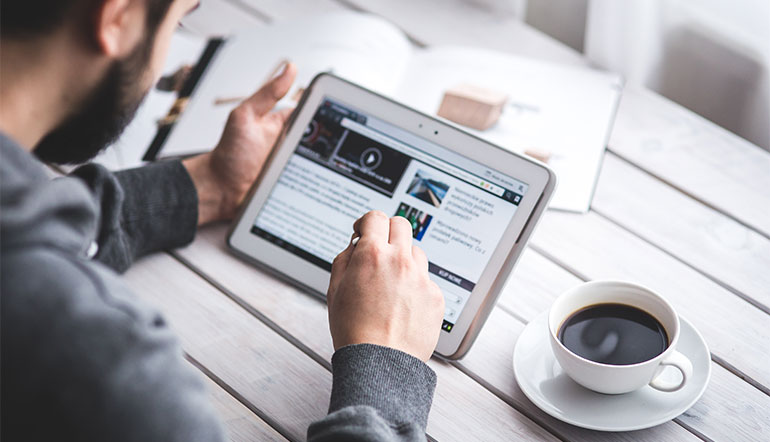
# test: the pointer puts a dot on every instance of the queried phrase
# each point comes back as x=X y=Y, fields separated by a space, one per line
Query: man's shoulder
x=42 y=280
x=58 y=308
x=79 y=350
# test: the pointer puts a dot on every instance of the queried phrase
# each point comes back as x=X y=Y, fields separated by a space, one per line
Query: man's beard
x=104 y=114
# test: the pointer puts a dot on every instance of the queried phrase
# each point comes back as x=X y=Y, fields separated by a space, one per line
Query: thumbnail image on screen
x=417 y=218
x=428 y=189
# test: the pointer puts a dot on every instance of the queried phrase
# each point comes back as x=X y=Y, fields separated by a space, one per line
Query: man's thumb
x=268 y=95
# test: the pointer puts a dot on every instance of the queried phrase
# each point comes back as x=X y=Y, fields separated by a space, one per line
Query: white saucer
x=544 y=383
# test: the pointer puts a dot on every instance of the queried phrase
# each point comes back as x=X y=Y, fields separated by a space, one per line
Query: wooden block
x=472 y=106
x=539 y=154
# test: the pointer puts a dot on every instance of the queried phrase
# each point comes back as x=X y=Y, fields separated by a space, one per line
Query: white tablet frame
x=540 y=179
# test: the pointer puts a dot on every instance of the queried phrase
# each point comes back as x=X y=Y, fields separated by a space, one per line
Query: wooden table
x=682 y=206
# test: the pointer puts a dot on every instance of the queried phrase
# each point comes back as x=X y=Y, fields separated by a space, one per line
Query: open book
x=565 y=111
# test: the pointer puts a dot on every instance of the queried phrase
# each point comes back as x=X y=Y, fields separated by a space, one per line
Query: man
x=82 y=359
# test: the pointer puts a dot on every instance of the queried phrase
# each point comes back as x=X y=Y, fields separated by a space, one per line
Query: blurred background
x=711 y=56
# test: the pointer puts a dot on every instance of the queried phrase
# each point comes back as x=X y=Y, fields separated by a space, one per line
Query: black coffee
x=615 y=334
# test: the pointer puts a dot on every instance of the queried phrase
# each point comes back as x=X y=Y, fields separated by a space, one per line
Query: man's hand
x=224 y=175
x=380 y=292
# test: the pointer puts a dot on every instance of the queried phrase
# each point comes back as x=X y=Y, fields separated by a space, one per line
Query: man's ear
x=118 y=26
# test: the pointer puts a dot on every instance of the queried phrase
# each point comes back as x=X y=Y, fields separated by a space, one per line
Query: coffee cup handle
x=679 y=361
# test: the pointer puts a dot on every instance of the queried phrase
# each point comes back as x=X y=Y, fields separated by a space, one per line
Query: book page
x=361 y=48
x=563 y=110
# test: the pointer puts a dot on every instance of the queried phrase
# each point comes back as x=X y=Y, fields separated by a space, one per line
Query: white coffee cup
x=617 y=379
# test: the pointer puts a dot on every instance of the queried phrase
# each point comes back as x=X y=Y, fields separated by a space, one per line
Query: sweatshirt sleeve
x=141 y=210
x=378 y=394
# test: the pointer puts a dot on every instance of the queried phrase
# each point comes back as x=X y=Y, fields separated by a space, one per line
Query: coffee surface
x=615 y=334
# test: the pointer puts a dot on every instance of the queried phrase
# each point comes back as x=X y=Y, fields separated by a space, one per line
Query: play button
x=371 y=158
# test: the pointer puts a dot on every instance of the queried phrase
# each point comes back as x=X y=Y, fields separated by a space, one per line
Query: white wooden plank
x=686 y=150
x=735 y=330
x=533 y=285
x=462 y=409
x=704 y=238
x=242 y=425
x=271 y=373
x=730 y=409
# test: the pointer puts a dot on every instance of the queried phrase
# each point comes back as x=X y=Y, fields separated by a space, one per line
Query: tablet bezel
x=540 y=179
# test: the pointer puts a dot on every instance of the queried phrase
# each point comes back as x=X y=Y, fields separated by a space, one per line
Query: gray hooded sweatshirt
x=83 y=359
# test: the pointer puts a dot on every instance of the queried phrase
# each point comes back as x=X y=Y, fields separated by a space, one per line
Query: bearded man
x=82 y=358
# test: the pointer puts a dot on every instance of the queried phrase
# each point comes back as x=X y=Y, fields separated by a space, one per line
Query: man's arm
x=142 y=210
x=378 y=393
x=385 y=318
x=158 y=206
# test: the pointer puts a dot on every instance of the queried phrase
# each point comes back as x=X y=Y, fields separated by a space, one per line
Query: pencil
x=228 y=100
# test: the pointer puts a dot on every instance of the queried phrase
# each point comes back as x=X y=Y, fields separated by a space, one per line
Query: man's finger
x=400 y=232
x=373 y=226
x=268 y=95
x=339 y=266
x=419 y=257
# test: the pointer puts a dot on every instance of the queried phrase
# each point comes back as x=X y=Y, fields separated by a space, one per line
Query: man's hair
x=34 y=18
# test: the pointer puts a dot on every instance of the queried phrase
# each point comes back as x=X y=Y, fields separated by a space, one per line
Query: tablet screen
x=348 y=163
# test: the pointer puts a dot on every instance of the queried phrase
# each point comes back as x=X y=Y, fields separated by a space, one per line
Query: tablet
x=346 y=151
